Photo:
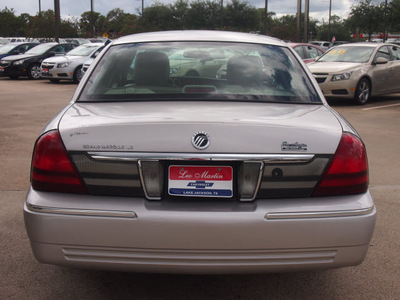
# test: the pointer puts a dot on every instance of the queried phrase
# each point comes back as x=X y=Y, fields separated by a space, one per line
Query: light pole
x=299 y=21
x=266 y=17
x=306 y=17
x=329 y=20
x=92 y=18
x=222 y=14
x=40 y=8
x=385 y=17
x=57 y=19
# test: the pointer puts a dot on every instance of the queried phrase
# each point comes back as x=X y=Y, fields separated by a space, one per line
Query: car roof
x=92 y=44
x=199 y=35
x=21 y=43
x=365 y=44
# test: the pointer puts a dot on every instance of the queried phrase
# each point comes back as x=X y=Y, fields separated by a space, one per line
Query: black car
x=15 y=48
x=28 y=64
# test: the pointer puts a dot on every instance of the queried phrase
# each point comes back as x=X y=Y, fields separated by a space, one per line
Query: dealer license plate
x=200 y=181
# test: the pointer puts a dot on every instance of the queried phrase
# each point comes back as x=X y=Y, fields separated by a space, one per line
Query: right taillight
x=52 y=169
x=348 y=171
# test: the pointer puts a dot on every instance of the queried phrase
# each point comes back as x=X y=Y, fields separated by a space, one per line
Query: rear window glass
x=204 y=71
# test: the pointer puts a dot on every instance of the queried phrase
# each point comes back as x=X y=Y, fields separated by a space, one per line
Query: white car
x=68 y=67
x=148 y=170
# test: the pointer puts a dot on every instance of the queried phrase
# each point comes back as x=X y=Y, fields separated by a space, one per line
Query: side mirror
x=381 y=61
x=52 y=53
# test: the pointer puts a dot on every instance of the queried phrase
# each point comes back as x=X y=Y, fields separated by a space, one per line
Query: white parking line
x=383 y=106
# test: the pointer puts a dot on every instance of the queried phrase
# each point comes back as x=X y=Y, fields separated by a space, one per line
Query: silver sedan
x=147 y=170
x=358 y=71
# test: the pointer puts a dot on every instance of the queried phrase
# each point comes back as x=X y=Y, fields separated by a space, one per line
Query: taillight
x=348 y=171
x=52 y=170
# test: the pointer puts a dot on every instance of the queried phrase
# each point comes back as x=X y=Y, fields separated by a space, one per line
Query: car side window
x=30 y=47
x=312 y=52
x=22 y=49
x=395 y=52
x=299 y=50
x=57 y=49
x=383 y=52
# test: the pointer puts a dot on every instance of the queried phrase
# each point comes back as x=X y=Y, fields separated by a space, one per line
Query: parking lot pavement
x=25 y=107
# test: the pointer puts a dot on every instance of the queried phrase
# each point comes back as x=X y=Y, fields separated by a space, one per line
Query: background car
x=358 y=71
x=15 y=48
x=198 y=62
x=69 y=66
x=28 y=64
x=307 y=52
x=322 y=44
x=149 y=170
x=3 y=41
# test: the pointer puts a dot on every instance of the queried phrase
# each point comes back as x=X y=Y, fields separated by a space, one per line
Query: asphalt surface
x=26 y=106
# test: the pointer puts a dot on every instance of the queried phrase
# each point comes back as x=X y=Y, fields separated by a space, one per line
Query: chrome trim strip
x=135 y=156
x=82 y=212
x=112 y=182
x=319 y=214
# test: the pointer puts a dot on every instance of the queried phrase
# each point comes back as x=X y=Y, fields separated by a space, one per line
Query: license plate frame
x=201 y=181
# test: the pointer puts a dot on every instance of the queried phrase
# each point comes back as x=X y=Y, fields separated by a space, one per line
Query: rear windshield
x=199 y=71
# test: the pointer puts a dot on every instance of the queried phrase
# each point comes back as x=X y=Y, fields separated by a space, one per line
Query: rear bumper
x=133 y=234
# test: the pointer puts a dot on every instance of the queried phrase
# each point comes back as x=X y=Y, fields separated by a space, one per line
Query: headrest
x=151 y=69
x=244 y=70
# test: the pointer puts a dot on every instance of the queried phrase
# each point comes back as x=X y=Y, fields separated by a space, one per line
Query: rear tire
x=363 y=91
x=34 y=72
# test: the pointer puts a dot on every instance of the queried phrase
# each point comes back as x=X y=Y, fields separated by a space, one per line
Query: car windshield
x=348 y=54
x=83 y=50
x=7 y=48
x=198 y=71
x=40 y=49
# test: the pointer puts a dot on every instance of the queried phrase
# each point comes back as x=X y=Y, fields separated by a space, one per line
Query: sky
x=319 y=9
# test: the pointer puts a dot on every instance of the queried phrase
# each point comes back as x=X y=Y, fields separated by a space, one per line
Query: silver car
x=358 y=71
x=69 y=66
x=148 y=172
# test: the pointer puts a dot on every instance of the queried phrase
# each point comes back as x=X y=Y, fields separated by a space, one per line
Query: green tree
x=11 y=25
x=393 y=13
x=271 y=16
x=115 y=21
x=42 y=26
x=285 y=27
x=179 y=11
x=241 y=16
x=366 y=18
x=204 y=15
x=338 y=29
x=132 y=24
x=157 y=17
x=92 y=24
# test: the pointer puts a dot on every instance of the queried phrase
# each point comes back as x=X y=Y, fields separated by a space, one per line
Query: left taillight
x=52 y=169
